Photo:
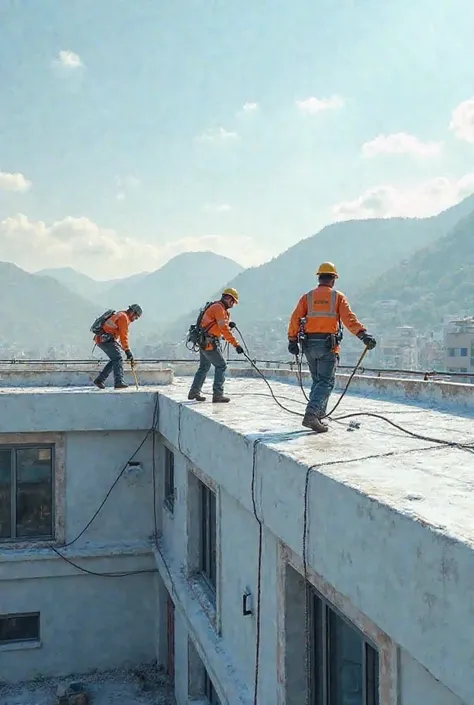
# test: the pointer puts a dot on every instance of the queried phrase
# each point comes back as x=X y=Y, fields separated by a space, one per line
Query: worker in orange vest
x=316 y=321
x=113 y=329
x=213 y=325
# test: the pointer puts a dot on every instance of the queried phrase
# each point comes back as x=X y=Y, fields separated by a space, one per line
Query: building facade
x=257 y=563
x=459 y=346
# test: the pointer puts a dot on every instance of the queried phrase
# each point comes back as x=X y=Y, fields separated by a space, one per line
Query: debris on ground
x=143 y=685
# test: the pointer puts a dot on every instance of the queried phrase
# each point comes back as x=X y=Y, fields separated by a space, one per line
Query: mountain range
x=436 y=280
x=427 y=265
x=361 y=249
x=55 y=308
x=39 y=313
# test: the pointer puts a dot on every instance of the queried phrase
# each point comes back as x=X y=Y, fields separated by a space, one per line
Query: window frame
x=210 y=692
x=169 y=479
x=13 y=447
x=17 y=615
x=322 y=662
x=208 y=537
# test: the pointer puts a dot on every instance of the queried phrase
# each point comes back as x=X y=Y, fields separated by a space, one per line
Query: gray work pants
x=113 y=351
x=206 y=359
x=322 y=365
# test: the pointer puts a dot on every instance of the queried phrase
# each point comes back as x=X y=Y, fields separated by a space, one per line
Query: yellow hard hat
x=327 y=268
x=231 y=292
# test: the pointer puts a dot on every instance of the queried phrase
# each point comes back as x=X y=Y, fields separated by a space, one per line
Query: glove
x=293 y=347
x=239 y=350
x=232 y=325
x=368 y=340
x=129 y=356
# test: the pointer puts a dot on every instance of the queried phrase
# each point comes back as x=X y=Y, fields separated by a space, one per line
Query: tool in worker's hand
x=133 y=364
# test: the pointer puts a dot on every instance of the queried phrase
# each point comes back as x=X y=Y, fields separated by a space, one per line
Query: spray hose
x=299 y=377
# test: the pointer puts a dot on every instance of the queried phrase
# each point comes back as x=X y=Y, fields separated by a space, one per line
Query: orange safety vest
x=323 y=309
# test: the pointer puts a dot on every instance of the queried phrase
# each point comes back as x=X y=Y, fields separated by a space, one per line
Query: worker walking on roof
x=112 y=329
x=213 y=325
x=316 y=322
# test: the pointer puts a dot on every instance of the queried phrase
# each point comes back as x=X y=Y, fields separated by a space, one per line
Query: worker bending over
x=111 y=330
x=316 y=321
x=213 y=324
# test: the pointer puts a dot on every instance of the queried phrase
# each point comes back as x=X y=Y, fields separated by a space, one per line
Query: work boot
x=220 y=399
x=196 y=396
x=121 y=385
x=313 y=421
x=98 y=383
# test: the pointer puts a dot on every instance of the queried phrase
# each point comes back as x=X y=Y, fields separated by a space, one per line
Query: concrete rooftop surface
x=140 y=686
x=423 y=479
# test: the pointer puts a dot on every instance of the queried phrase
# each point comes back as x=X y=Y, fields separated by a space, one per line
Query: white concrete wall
x=418 y=686
x=410 y=581
x=88 y=622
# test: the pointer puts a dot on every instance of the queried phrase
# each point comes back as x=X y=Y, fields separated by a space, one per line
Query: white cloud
x=68 y=60
x=218 y=134
x=217 y=208
x=400 y=143
x=425 y=199
x=313 y=106
x=84 y=245
x=462 y=120
x=250 y=107
x=13 y=182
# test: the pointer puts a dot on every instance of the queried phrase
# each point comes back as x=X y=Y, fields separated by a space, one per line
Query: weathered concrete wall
x=35 y=375
x=418 y=686
x=86 y=623
x=93 y=462
x=410 y=579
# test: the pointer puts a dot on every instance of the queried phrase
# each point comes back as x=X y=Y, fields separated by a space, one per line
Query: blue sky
x=124 y=138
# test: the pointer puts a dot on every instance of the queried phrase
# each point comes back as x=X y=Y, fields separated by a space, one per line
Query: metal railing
x=378 y=371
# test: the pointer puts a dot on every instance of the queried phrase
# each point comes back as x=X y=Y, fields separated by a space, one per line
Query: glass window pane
x=34 y=492
x=5 y=494
x=345 y=663
x=316 y=648
x=212 y=538
x=19 y=628
x=372 y=675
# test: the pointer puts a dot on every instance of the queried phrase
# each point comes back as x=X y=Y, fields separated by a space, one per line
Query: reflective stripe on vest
x=332 y=313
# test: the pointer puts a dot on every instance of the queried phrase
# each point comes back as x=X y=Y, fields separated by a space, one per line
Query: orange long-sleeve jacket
x=323 y=308
x=216 y=321
x=117 y=325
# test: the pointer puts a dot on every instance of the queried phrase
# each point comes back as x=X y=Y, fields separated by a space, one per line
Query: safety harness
x=198 y=336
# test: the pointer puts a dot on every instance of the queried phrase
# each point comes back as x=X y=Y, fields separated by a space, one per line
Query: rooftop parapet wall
x=50 y=375
x=427 y=393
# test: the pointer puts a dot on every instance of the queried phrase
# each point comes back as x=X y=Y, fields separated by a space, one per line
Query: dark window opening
x=207 y=548
x=344 y=666
x=26 y=492
x=15 y=628
x=210 y=691
x=169 y=479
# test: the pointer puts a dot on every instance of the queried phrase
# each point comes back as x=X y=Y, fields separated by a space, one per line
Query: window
x=463 y=352
x=209 y=690
x=207 y=539
x=169 y=479
x=452 y=352
x=344 y=666
x=26 y=492
x=15 y=628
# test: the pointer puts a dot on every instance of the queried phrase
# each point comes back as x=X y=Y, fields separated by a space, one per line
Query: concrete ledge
x=21 y=375
x=213 y=651
x=426 y=393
